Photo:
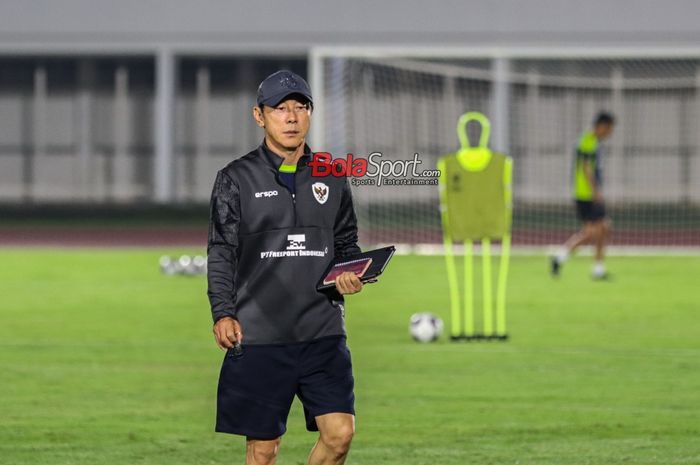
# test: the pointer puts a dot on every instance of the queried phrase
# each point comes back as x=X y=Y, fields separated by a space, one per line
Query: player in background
x=588 y=194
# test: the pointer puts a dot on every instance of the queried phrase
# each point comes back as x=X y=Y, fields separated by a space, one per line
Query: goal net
x=402 y=105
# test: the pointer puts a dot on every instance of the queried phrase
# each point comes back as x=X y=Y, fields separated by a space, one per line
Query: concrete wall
x=71 y=107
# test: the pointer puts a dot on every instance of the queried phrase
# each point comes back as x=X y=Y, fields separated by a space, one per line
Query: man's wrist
x=221 y=317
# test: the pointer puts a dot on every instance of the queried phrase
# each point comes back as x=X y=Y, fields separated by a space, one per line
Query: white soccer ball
x=200 y=264
x=167 y=265
x=187 y=265
x=425 y=327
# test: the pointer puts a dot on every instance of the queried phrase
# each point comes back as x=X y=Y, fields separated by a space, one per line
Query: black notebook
x=366 y=265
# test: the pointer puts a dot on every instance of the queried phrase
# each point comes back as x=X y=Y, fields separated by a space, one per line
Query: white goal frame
x=500 y=58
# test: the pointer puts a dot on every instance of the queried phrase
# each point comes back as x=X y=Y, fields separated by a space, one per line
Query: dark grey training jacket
x=267 y=249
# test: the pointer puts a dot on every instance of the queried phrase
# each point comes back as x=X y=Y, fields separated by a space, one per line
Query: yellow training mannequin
x=476 y=205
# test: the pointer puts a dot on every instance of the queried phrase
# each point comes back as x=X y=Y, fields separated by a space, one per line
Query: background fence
x=155 y=128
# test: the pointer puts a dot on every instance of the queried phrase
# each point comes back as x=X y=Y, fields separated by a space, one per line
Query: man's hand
x=348 y=283
x=227 y=331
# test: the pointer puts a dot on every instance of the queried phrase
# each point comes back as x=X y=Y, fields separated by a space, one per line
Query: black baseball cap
x=279 y=85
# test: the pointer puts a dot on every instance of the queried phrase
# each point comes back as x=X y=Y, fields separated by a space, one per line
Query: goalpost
x=403 y=101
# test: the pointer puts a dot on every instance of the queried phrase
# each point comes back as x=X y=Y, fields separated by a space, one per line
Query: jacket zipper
x=293 y=196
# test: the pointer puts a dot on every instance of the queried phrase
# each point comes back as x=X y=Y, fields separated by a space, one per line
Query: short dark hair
x=604 y=117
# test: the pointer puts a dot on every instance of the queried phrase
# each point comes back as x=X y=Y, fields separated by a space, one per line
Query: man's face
x=286 y=124
x=603 y=130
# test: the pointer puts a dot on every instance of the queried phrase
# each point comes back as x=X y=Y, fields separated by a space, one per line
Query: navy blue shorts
x=256 y=391
x=590 y=211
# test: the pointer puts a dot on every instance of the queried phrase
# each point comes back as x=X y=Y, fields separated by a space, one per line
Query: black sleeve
x=222 y=246
x=345 y=229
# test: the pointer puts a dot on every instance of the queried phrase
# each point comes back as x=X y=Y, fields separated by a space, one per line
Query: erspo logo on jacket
x=259 y=195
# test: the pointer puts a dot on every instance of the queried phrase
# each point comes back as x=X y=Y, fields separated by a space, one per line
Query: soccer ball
x=200 y=264
x=187 y=266
x=425 y=327
x=167 y=265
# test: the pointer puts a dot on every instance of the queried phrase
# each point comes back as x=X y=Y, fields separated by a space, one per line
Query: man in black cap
x=273 y=230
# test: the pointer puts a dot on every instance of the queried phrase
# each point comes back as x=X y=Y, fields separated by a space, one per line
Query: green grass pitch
x=105 y=361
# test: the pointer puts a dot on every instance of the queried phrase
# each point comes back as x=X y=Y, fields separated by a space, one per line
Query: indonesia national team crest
x=320 y=191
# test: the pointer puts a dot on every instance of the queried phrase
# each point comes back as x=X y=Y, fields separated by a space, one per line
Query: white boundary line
x=546 y=250
x=535 y=51
x=427 y=250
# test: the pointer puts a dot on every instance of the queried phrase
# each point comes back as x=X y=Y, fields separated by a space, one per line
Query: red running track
x=197 y=237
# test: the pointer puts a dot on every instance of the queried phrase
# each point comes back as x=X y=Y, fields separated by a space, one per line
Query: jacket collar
x=275 y=160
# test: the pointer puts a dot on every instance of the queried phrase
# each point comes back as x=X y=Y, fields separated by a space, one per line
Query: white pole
x=84 y=118
x=39 y=133
x=614 y=161
x=501 y=98
x=316 y=76
x=455 y=107
x=694 y=187
x=164 y=108
x=336 y=121
x=533 y=127
x=203 y=96
x=122 y=169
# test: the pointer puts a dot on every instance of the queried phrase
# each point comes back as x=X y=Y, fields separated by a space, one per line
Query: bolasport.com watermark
x=373 y=170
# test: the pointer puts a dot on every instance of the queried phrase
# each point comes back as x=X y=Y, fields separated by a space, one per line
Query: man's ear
x=258 y=116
